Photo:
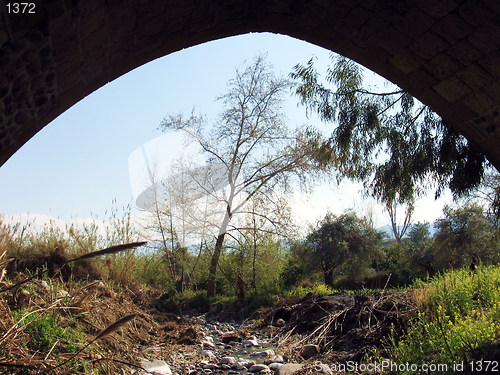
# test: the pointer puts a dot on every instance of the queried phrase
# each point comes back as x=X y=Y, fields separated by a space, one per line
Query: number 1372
x=20 y=8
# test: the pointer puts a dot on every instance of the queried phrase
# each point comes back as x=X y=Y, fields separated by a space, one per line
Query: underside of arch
x=445 y=53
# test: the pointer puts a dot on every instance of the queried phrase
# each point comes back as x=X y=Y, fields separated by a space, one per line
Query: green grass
x=459 y=320
x=46 y=333
x=301 y=291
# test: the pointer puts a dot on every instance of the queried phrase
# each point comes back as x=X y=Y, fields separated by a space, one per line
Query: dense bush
x=459 y=318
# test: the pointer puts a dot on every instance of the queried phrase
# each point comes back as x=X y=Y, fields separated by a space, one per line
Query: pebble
x=250 y=342
x=276 y=359
x=210 y=366
x=274 y=366
x=208 y=344
x=225 y=360
x=208 y=353
x=309 y=351
x=259 y=368
x=265 y=353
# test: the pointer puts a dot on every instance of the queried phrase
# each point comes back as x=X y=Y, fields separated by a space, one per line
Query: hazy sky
x=79 y=163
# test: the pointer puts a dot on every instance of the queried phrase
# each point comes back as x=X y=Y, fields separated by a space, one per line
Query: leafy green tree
x=488 y=195
x=296 y=267
x=344 y=240
x=463 y=236
x=393 y=143
x=417 y=254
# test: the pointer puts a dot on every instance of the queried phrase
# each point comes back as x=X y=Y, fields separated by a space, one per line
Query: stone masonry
x=446 y=53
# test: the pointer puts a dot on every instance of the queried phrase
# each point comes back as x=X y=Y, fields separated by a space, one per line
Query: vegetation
x=222 y=240
x=345 y=245
x=254 y=150
x=386 y=139
x=458 y=322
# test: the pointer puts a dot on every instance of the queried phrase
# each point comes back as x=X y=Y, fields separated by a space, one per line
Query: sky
x=82 y=163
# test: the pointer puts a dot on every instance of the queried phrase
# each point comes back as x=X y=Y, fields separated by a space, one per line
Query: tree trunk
x=240 y=281
x=328 y=277
x=211 y=287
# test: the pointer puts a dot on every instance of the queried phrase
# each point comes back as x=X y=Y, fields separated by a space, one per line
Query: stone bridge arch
x=446 y=53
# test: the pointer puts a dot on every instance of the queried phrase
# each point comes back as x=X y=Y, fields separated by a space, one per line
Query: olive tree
x=465 y=235
x=342 y=240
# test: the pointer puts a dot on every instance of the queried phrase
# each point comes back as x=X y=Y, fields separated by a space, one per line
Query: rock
x=289 y=368
x=210 y=366
x=259 y=368
x=275 y=365
x=208 y=353
x=156 y=367
x=265 y=353
x=207 y=344
x=276 y=359
x=242 y=364
x=249 y=364
x=321 y=367
x=309 y=351
x=279 y=323
x=252 y=341
x=229 y=337
x=238 y=366
x=227 y=360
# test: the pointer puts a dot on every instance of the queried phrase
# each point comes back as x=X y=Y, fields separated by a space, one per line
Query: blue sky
x=78 y=164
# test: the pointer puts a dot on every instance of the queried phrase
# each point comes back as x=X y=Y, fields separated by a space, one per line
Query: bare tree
x=173 y=220
x=250 y=142
x=264 y=218
x=399 y=229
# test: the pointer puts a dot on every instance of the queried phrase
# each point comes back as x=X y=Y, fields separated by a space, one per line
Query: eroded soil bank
x=329 y=329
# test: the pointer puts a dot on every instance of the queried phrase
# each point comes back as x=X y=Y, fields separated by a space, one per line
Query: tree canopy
x=388 y=139
x=251 y=143
x=341 y=239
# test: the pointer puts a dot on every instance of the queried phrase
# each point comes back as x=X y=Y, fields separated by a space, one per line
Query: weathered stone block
x=443 y=66
x=429 y=45
x=415 y=22
x=406 y=61
x=475 y=76
x=452 y=28
x=464 y=52
x=452 y=89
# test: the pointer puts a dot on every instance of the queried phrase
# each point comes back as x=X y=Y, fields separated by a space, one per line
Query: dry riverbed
x=301 y=331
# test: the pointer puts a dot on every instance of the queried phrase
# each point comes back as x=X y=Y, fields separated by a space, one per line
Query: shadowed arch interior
x=446 y=53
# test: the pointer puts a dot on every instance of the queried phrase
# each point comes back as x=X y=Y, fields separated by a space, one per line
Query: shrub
x=460 y=320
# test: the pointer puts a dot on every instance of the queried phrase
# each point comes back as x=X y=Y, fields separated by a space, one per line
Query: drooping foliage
x=389 y=140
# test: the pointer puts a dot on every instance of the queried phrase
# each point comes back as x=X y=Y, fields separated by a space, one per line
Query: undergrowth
x=459 y=322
